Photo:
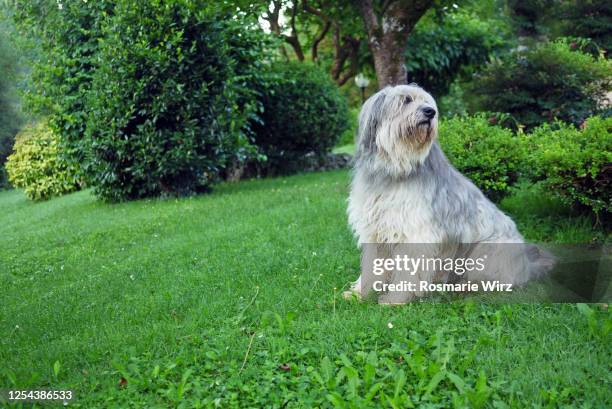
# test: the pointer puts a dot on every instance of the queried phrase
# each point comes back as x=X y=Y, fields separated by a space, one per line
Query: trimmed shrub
x=489 y=155
x=168 y=103
x=36 y=165
x=303 y=113
x=575 y=164
x=547 y=83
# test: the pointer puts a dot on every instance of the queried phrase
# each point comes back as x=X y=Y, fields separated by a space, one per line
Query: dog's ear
x=370 y=118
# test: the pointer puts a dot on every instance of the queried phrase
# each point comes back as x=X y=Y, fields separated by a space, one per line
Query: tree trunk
x=388 y=57
x=388 y=33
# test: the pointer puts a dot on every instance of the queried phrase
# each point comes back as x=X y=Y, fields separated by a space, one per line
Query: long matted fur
x=404 y=190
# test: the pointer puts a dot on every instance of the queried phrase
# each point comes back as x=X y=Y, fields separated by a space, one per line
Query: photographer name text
x=426 y=286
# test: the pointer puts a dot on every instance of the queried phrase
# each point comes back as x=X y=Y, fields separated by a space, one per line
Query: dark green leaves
x=304 y=113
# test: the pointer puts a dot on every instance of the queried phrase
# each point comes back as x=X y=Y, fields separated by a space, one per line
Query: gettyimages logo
x=458 y=265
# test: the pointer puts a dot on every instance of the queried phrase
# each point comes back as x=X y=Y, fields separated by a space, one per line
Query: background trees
x=451 y=45
x=388 y=25
x=436 y=41
x=148 y=99
x=170 y=97
x=326 y=32
x=162 y=98
x=548 y=82
x=11 y=117
x=357 y=34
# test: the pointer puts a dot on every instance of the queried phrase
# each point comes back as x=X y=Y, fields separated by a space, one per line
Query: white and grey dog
x=404 y=190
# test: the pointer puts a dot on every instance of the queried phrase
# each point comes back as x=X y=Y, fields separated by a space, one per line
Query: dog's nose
x=429 y=112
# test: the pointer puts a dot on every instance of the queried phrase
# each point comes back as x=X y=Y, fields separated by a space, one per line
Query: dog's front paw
x=352 y=294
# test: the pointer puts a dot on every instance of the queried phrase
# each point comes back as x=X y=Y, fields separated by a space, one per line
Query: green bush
x=575 y=164
x=349 y=135
x=439 y=52
x=588 y=19
x=11 y=118
x=547 y=83
x=67 y=39
x=529 y=16
x=146 y=106
x=489 y=155
x=170 y=100
x=4 y=183
x=36 y=165
x=303 y=113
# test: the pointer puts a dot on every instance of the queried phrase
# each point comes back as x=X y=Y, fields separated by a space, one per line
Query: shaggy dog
x=404 y=190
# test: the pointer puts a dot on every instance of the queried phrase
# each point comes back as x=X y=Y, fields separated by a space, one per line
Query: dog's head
x=397 y=127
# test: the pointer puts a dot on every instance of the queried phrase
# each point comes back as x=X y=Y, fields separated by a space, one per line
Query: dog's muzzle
x=429 y=113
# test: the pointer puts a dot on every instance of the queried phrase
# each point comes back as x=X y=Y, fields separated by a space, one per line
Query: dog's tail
x=541 y=261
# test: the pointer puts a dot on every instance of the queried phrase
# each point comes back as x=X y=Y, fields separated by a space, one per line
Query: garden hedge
x=491 y=156
x=574 y=164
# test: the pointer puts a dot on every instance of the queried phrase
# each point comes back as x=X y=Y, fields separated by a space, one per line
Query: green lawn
x=232 y=299
x=350 y=149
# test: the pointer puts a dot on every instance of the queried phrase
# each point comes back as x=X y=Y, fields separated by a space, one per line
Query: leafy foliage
x=37 y=166
x=442 y=50
x=489 y=155
x=11 y=117
x=574 y=164
x=527 y=15
x=587 y=19
x=332 y=34
x=547 y=83
x=303 y=113
x=372 y=377
x=67 y=34
x=149 y=99
x=590 y=19
x=168 y=106
x=349 y=135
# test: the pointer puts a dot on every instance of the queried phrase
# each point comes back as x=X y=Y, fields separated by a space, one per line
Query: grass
x=232 y=300
x=349 y=149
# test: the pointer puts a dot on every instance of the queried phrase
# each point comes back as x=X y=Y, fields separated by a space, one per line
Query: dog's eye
x=407 y=100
